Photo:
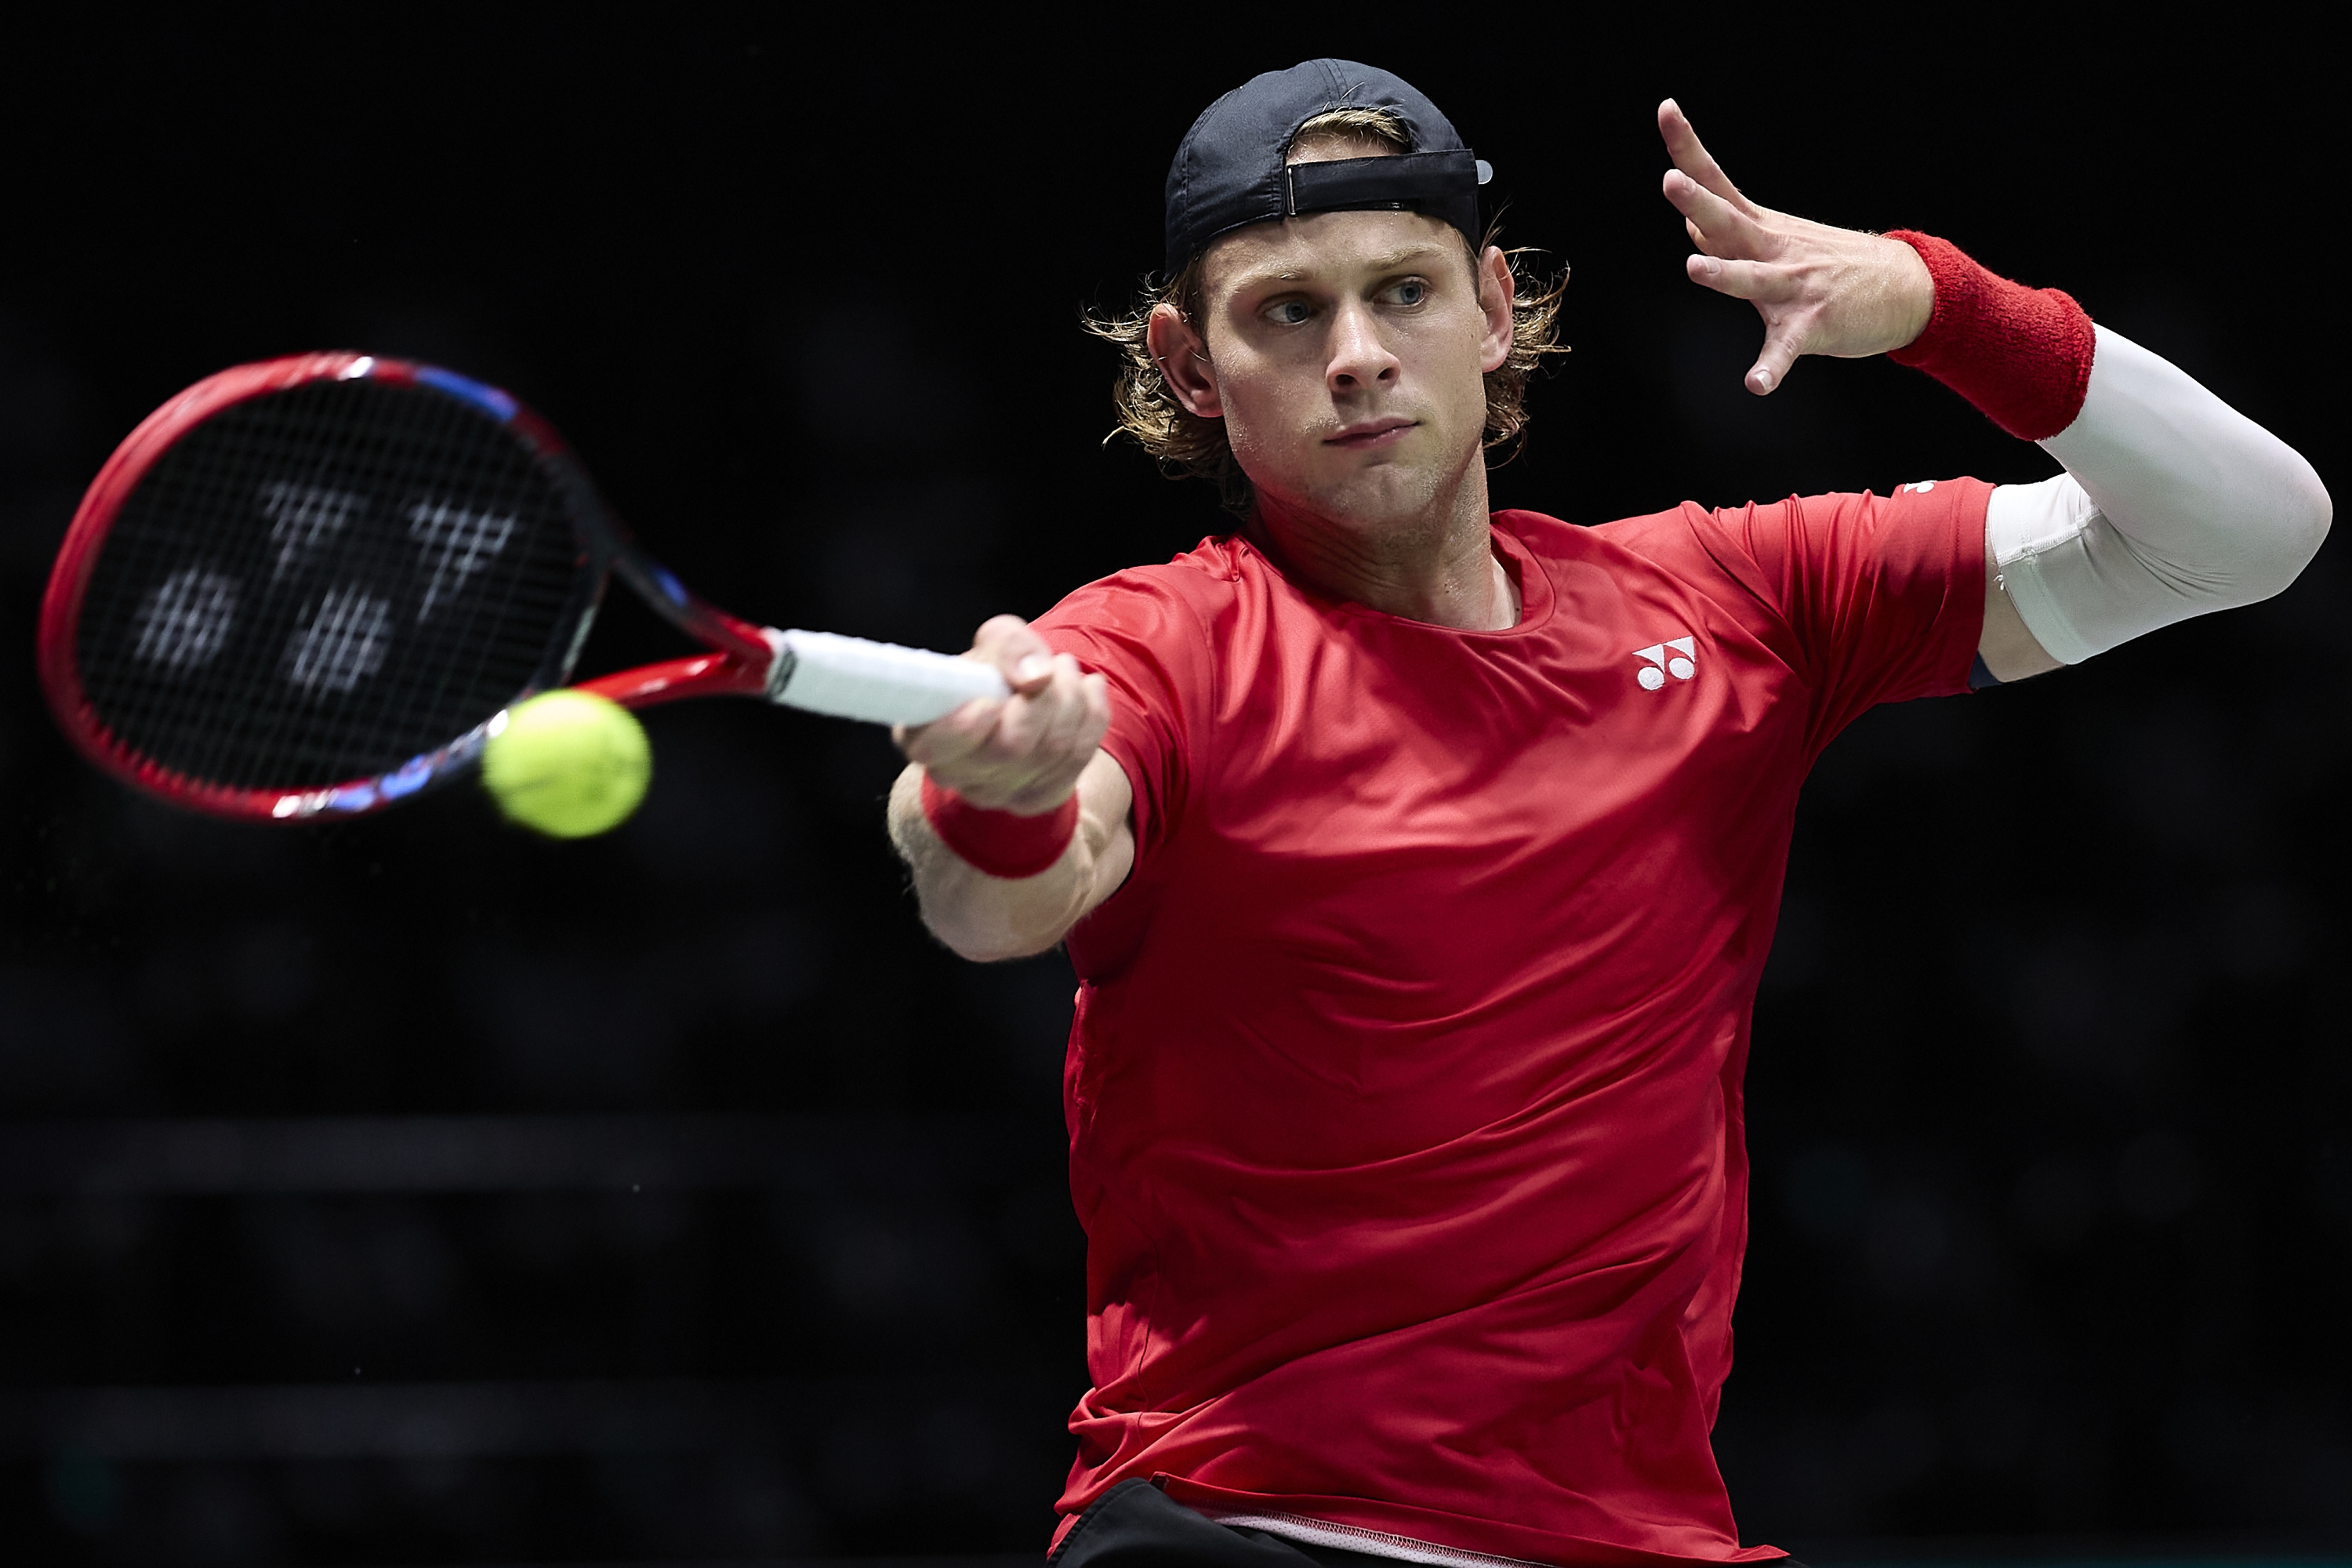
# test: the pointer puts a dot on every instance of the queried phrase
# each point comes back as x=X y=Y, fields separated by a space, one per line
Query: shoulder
x=1758 y=547
x=1686 y=544
x=1191 y=586
x=1656 y=538
x=1156 y=631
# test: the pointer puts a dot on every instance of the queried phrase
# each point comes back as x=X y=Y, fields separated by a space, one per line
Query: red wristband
x=2021 y=355
x=1000 y=843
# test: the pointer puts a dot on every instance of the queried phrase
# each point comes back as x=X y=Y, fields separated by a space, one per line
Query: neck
x=1438 y=567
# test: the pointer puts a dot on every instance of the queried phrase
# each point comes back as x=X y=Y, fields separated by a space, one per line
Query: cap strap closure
x=1422 y=181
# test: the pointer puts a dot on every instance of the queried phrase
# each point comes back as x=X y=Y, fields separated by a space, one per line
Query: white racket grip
x=879 y=682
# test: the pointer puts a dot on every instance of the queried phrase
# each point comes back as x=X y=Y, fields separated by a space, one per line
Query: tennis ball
x=569 y=763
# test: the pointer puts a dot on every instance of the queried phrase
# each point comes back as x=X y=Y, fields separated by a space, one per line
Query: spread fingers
x=1690 y=154
x=1724 y=226
x=1741 y=279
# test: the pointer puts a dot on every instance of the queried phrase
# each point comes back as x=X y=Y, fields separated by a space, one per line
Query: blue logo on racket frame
x=481 y=394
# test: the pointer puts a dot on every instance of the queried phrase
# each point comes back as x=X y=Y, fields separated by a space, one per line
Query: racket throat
x=688 y=611
x=700 y=675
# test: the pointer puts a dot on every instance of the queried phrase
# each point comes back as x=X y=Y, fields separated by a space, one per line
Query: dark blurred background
x=412 y=1190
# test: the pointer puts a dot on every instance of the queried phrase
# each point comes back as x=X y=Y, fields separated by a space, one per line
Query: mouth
x=1367 y=433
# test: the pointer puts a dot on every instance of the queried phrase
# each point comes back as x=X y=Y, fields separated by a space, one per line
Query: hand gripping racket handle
x=879 y=682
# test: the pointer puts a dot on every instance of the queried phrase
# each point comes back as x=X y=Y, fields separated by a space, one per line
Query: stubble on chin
x=1392 y=499
x=1406 y=501
x=1390 y=494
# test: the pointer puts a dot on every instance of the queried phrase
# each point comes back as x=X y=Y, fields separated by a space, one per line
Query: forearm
x=2173 y=504
x=986 y=918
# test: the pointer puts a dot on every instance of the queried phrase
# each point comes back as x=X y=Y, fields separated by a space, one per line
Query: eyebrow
x=1395 y=260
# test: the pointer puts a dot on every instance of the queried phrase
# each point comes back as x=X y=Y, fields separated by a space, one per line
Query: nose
x=1360 y=360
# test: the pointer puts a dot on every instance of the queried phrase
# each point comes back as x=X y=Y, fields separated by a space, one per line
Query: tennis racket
x=309 y=588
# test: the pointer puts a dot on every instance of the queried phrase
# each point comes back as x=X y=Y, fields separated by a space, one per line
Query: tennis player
x=1419 y=863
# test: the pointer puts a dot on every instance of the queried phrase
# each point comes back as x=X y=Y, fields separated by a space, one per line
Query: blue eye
x=1288 y=313
x=1412 y=291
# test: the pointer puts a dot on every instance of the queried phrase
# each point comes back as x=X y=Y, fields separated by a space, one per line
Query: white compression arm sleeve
x=2173 y=504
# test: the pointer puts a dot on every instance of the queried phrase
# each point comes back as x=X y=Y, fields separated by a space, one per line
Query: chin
x=1386 y=493
x=1398 y=491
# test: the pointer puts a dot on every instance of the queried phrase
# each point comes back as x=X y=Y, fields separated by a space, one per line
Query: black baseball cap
x=1229 y=170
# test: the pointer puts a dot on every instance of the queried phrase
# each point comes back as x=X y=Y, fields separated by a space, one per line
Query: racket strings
x=193 y=483
x=320 y=585
x=507 y=599
x=341 y=642
x=308 y=513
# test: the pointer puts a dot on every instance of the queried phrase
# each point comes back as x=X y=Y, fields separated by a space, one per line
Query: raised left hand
x=1821 y=290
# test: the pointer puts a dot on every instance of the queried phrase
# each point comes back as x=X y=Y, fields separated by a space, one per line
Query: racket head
x=304 y=588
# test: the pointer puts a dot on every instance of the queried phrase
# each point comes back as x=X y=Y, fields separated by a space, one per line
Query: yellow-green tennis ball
x=569 y=763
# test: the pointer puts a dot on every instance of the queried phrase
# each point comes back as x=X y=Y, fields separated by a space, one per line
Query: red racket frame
x=739 y=664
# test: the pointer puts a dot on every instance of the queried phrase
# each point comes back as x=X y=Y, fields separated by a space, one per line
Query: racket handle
x=879 y=682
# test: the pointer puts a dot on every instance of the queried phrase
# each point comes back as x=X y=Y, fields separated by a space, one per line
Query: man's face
x=1346 y=353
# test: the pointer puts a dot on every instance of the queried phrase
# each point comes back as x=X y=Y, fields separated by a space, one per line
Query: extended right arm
x=1011 y=765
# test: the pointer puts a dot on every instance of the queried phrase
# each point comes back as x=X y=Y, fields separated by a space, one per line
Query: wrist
x=1003 y=844
x=2021 y=355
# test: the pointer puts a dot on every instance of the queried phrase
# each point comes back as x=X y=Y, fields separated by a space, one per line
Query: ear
x=1183 y=362
x=1498 y=291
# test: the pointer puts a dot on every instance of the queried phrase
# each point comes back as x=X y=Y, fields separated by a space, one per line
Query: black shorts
x=1137 y=1525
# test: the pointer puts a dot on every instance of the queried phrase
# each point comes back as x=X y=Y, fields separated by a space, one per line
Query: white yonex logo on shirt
x=1670 y=657
x=1920 y=487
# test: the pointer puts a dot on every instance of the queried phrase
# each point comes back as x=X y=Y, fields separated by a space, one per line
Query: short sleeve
x=1882 y=596
x=1137 y=631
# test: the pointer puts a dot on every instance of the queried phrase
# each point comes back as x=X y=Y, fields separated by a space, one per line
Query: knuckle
x=1013 y=732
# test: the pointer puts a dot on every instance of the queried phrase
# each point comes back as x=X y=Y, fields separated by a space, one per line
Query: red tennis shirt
x=1404 y=1089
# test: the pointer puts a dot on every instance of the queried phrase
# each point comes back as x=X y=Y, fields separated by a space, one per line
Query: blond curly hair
x=1189 y=447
